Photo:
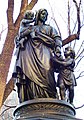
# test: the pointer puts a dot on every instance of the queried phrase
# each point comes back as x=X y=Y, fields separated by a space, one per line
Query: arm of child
x=64 y=62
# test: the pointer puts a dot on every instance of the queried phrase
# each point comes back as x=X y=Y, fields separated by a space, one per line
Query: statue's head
x=29 y=15
x=41 y=15
x=69 y=52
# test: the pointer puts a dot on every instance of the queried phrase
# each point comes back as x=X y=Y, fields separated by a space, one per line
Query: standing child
x=66 y=78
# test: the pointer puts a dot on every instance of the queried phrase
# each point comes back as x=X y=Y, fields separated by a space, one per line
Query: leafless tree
x=74 y=28
x=73 y=37
x=7 y=51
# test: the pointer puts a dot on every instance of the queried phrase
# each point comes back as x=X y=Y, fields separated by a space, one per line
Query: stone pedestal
x=45 y=109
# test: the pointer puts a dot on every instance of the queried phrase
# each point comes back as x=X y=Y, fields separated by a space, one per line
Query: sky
x=59 y=7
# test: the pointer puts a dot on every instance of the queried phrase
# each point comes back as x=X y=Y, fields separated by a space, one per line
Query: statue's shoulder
x=48 y=26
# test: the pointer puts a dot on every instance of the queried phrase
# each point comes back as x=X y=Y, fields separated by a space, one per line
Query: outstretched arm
x=63 y=62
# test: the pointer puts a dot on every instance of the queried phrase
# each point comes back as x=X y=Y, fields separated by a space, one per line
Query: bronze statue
x=66 y=78
x=33 y=71
x=26 y=21
x=25 y=28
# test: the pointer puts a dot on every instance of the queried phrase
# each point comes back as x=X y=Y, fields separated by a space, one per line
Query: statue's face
x=43 y=16
x=29 y=15
x=67 y=52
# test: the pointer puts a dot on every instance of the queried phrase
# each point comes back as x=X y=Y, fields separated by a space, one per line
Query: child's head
x=29 y=15
x=69 y=52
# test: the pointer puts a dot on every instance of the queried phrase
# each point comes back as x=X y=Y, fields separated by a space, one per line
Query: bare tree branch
x=24 y=6
x=56 y=25
x=10 y=13
x=79 y=54
x=75 y=41
x=74 y=26
x=79 y=106
x=78 y=16
x=82 y=14
x=70 y=39
x=8 y=107
x=53 y=17
x=2 y=31
x=8 y=89
x=80 y=75
x=5 y=57
x=69 y=31
x=24 y=3
x=79 y=61
x=31 y=4
x=79 y=49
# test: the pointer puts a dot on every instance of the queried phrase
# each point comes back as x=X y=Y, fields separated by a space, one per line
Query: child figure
x=26 y=27
x=66 y=78
x=26 y=21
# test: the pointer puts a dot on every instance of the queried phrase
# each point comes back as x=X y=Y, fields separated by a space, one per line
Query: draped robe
x=33 y=63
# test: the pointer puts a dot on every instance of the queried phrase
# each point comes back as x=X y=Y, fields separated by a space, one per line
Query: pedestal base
x=45 y=109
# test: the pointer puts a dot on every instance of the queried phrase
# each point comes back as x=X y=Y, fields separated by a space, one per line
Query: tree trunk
x=5 y=57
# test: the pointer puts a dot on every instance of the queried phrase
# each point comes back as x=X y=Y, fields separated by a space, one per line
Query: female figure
x=33 y=72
